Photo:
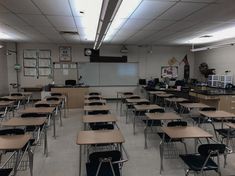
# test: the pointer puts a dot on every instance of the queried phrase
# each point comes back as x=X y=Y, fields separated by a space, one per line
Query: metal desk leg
x=45 y=141
x=145 y=135
x=161 y=148
x=54 y=126
x=60 y=118
x=30 y=153
x=16 y=162
x=80 y=160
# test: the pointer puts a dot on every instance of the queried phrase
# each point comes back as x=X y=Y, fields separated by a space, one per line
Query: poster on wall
x=169 y=72
x=65 y=53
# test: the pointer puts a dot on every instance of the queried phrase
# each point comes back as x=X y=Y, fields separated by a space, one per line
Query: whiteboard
x=109 y=74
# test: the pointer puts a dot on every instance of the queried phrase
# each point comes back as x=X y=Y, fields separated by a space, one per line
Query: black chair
x=42 y=105
x=204 y=160
x=70 y=82
x=56 y=94
x=98 y=112
x=32 y=115
x=94 y=93
x=16 y=94
x=95 y=104
x=107 y=163
x=100 y=125
x=52 y=99
x=5 y=172
x=94 y=98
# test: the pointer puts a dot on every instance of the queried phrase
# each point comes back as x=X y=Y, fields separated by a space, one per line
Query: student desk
x=53 y=103
x=6 y=105
x=124 y=98
x=187 y=132
x=64 y=104
x=17 y=142
x=175 y=100
x=96 y=108
x=120 y=94
x=29 y=121
x=152 y=95
x=220 y=115
x=143 y=108
x=86 y=119
x=86 y=102
x=42 y=110
x=132 y=102
x=162 y=96
x=190 y=106
x=98 y=137
x=16 y=98
x=159 y=116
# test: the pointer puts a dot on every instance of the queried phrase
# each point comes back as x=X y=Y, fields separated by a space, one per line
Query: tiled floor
x=64 y=153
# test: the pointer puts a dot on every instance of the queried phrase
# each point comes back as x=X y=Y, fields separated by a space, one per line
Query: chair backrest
x=32 y=115
x=208 y=109
x=114 y=155
x=52 y=99
x=102 y=126
x=56 y=94
x=98 y=112
x=157 y=110
x=16 y=94
x=12 y=131
x=41 y=105
x=5 y=99
x=128 y=93
x=177 y=123
x=94 y=93
x=70 y=82
x=94 y=98
x=143 y=103
x=211 y=149
x=95 y=103
x=134 y=97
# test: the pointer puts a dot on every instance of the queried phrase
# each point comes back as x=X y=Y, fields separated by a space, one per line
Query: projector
x=124 y=50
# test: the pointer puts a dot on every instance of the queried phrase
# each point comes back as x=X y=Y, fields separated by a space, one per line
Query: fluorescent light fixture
x=124 y=12
x=4 y=36
x=214 y=37
x=212 y=47
x=1 y=46
x=89 y=11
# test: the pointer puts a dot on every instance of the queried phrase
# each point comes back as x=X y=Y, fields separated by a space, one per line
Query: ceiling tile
x=151 y=9
x=199 y=1
x=179 y=26
x=158 y=25
x=135 y=24
x=140 y=35
x=62 y=21
x=66 y=28
x=35 y=20
x=181 y=10
x=46 y=30
x=22 y=6
x=11 y=19
x=52 y=7
x=3 y=9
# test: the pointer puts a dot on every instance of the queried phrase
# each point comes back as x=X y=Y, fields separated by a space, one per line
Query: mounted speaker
x=108 y=59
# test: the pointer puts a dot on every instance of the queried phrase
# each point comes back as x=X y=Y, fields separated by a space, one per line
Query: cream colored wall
x=3 y=68
x=221 y=59
x=150 y=59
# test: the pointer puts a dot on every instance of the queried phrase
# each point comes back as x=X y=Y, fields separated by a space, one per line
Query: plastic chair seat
x=195 y=162
x=5 y=172
x=101 y=126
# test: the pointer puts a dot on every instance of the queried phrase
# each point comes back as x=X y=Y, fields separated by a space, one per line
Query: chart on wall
x=109 y=74
x=169 y=72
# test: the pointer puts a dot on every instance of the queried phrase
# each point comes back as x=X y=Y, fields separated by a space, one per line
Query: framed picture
x=169 y=72
x=65 y=53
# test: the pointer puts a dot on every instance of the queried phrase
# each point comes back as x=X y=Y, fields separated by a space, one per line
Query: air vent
x=206 y=36
x=69 y=33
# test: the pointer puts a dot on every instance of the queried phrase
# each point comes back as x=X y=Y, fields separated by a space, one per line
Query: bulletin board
x=169 y=72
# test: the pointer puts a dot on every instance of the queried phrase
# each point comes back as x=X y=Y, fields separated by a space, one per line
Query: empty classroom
x=117 y=87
